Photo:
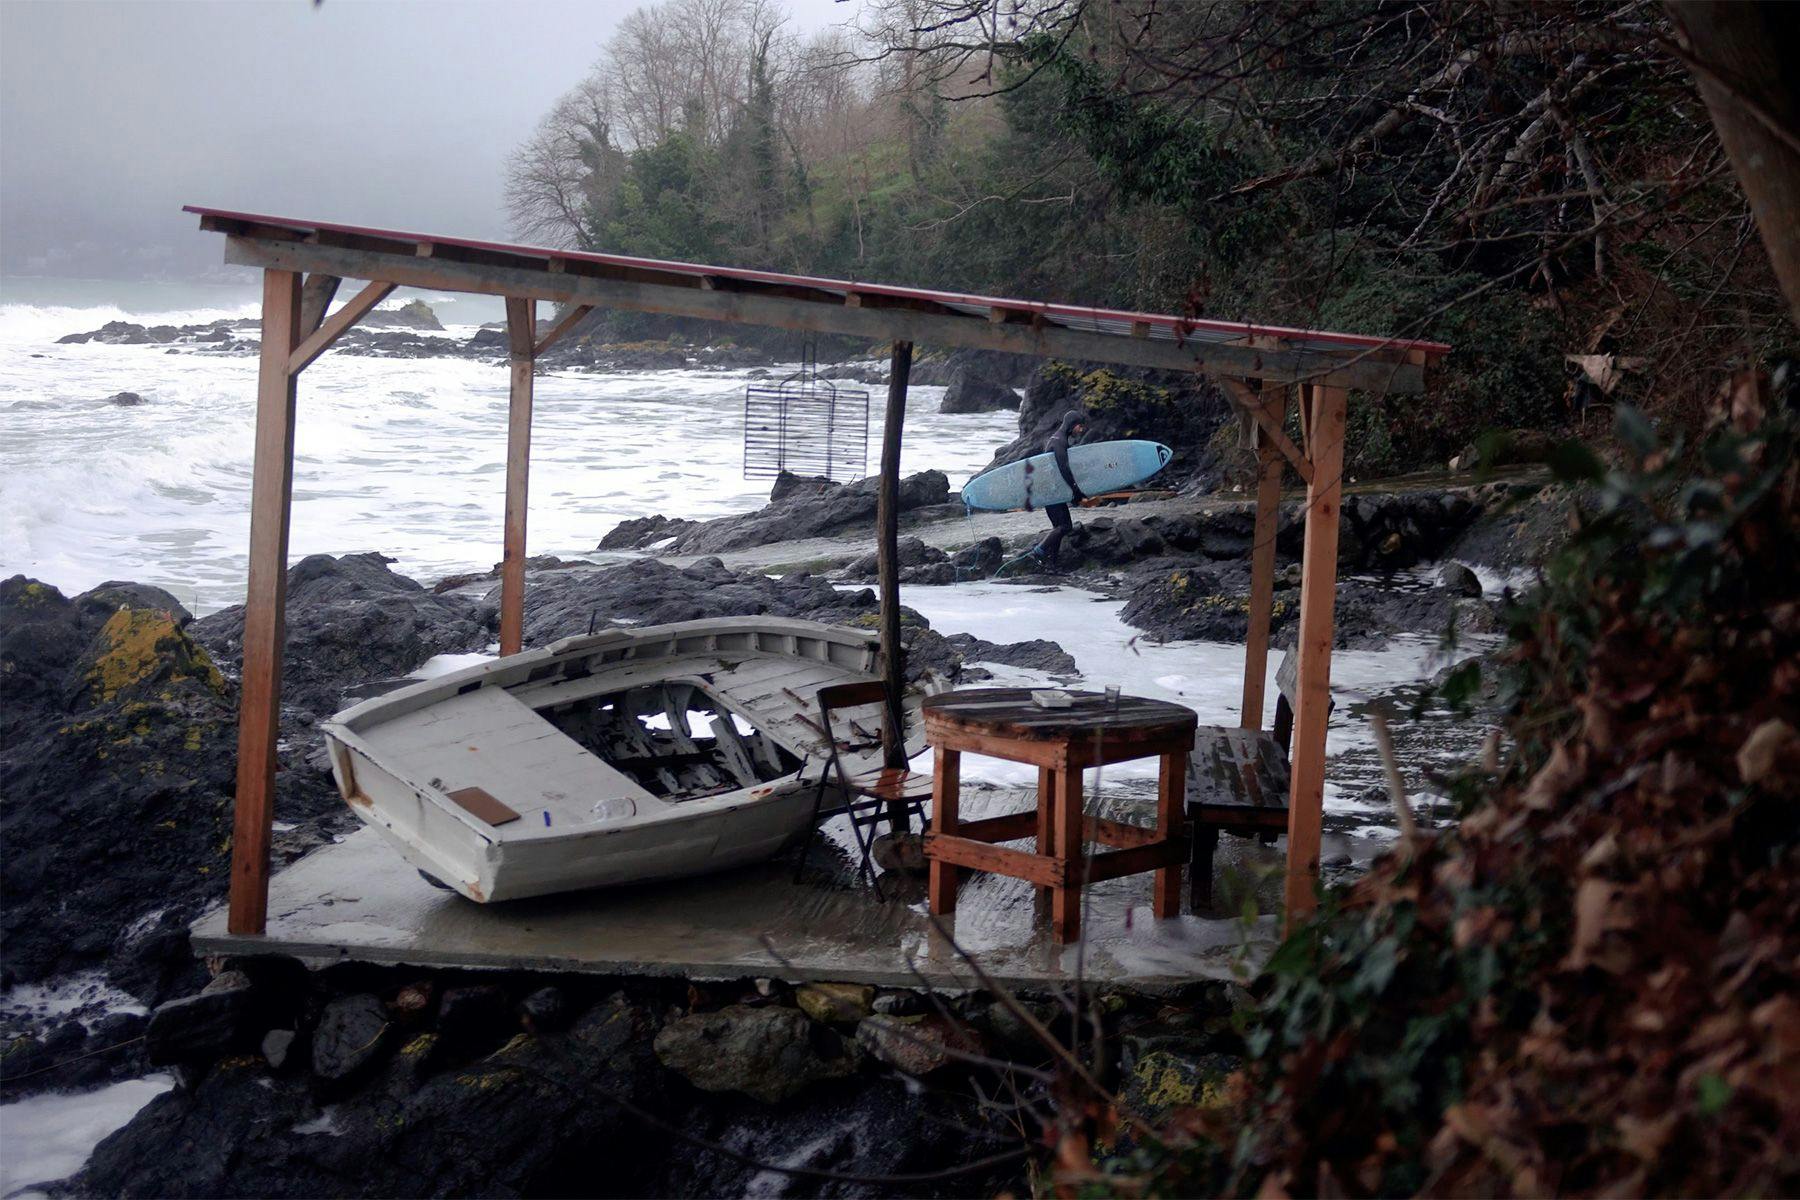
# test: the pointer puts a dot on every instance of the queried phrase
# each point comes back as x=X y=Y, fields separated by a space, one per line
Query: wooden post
x=887 y=568
x=1318 y=598
x=1065 y=897
x=1171 y=797
x=946 y=795
x=521 y=334
x=1262 y=561
x=259 y=706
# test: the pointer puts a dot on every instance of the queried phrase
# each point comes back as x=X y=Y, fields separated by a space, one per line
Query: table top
x=1011 y=713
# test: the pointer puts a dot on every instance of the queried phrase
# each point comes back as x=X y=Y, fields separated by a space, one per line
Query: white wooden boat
x=619 y=757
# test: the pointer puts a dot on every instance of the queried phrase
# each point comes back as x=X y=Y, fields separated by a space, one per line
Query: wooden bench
x=1238 y=783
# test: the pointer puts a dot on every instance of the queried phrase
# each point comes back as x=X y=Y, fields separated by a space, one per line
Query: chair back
x=846 y=695
x=1287 y=699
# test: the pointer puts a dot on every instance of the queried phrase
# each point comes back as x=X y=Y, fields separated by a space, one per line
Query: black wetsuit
x=1060 y=521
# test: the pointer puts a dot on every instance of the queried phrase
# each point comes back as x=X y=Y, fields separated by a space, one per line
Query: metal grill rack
x=806 y=425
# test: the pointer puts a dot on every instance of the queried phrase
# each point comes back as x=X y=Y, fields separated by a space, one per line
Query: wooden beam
x=887 y=569
x=1262 y=562
x=521 y=325
x=1171 y=799
x=946 y=795
x=1318 y=599
x=1066 y=815
x=1269 y=422
x=265 y=599
x=339 y=323
x=315 y=297
x=570 y=320
x=1045 y=340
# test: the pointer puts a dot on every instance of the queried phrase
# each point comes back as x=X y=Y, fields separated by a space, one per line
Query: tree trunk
x=1744 y=58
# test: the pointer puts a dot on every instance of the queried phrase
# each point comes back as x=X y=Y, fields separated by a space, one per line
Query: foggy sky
x=113 y=114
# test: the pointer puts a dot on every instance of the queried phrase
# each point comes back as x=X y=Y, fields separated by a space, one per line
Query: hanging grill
x=806 y=425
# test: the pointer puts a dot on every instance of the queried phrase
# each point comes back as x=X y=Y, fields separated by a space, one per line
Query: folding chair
x=868 y=796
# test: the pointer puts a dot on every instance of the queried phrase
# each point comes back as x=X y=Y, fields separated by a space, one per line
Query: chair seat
x=891 y=783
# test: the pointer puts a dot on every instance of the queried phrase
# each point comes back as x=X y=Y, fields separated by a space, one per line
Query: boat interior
x=674 y=738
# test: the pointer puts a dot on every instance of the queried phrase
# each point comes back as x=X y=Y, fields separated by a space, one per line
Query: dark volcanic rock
x=651 y=592
x=125 y=399
x=769 y=1054
x=539 y=1117
x=351 y=1037
x=414 y=314
x=117 y=767
x=971 y=392
x=199 y=1028
x=349 y=620
x=1039 y=654
x=1459 y=580
x=806 y=513
x=639 y=532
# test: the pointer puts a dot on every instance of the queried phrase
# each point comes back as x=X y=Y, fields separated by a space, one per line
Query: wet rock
x=639 y=532
x=1014 y=1035
x=1459 y=580
x=472 y=1020
x=834 y=510
x=414 y=314
x=980 y=560
x=125 y=399
x=1163 y=1081
x=350 y=1038
x=836 y=1003
x=117 y=758
x=544 y=1011
x=351 y=619
x=973 y=392
x=197 y=1028
x=651 y=592
x=899 y=852
x=918 y=1045
x=909 y=552
x=277 y=1044
x=942 y=369
x=769 y=1054
x=1334 y=861
x=901 y=1004
x=1038 y=654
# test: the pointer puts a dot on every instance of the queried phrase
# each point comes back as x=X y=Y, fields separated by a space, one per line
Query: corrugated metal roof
x=1112 y=322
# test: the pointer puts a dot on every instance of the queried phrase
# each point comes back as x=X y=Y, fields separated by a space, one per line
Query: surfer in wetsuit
x=1046 y=551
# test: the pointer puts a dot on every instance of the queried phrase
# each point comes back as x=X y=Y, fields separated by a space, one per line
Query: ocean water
x=404 y=456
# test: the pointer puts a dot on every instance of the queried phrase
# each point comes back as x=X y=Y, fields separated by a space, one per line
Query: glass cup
x=1112 y=697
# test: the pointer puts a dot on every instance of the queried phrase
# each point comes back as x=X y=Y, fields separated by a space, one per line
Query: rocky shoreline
x=117 y=745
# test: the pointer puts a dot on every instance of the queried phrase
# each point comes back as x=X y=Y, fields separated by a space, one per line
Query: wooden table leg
x=1046 y=828
x=1171 y=797
x=946 y=791
x=1065 y=903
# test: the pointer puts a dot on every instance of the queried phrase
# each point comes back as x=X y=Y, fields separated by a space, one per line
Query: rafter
x=336 y=325
x=1264 y=414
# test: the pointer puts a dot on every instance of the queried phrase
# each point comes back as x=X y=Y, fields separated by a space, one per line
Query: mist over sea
x=404 y=456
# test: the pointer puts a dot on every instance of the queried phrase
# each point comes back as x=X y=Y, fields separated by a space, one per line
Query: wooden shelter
x=1264 y=369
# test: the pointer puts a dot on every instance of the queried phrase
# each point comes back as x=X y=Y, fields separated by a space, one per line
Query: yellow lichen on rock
x=137 y=645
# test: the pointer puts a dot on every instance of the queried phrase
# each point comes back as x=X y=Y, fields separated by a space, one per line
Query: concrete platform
x=358 y=901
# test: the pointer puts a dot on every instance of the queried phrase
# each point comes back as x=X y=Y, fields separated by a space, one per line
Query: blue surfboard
x=1035 y=482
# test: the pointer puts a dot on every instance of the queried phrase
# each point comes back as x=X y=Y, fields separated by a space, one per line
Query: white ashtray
x=1051 y=698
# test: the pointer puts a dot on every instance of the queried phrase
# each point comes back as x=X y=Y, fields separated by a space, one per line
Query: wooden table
x=1061 y=743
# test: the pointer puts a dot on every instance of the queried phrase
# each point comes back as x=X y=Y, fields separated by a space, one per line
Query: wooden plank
x=1171 y=795
x=1065 y=900
x=1008 y=828
x=483 y=805
x=887 y=565
x=1262 y=562
x=1046 y=828
x=1162 y=857
x=1318 y=598
x=948 y=853
x=946 y=789
x=334 y=327
x=1268 y=420
x=1044 y=340
x=570 y=320
x=316 y=294
x=520 y=327
x=259 y=705
x=1119 y=833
